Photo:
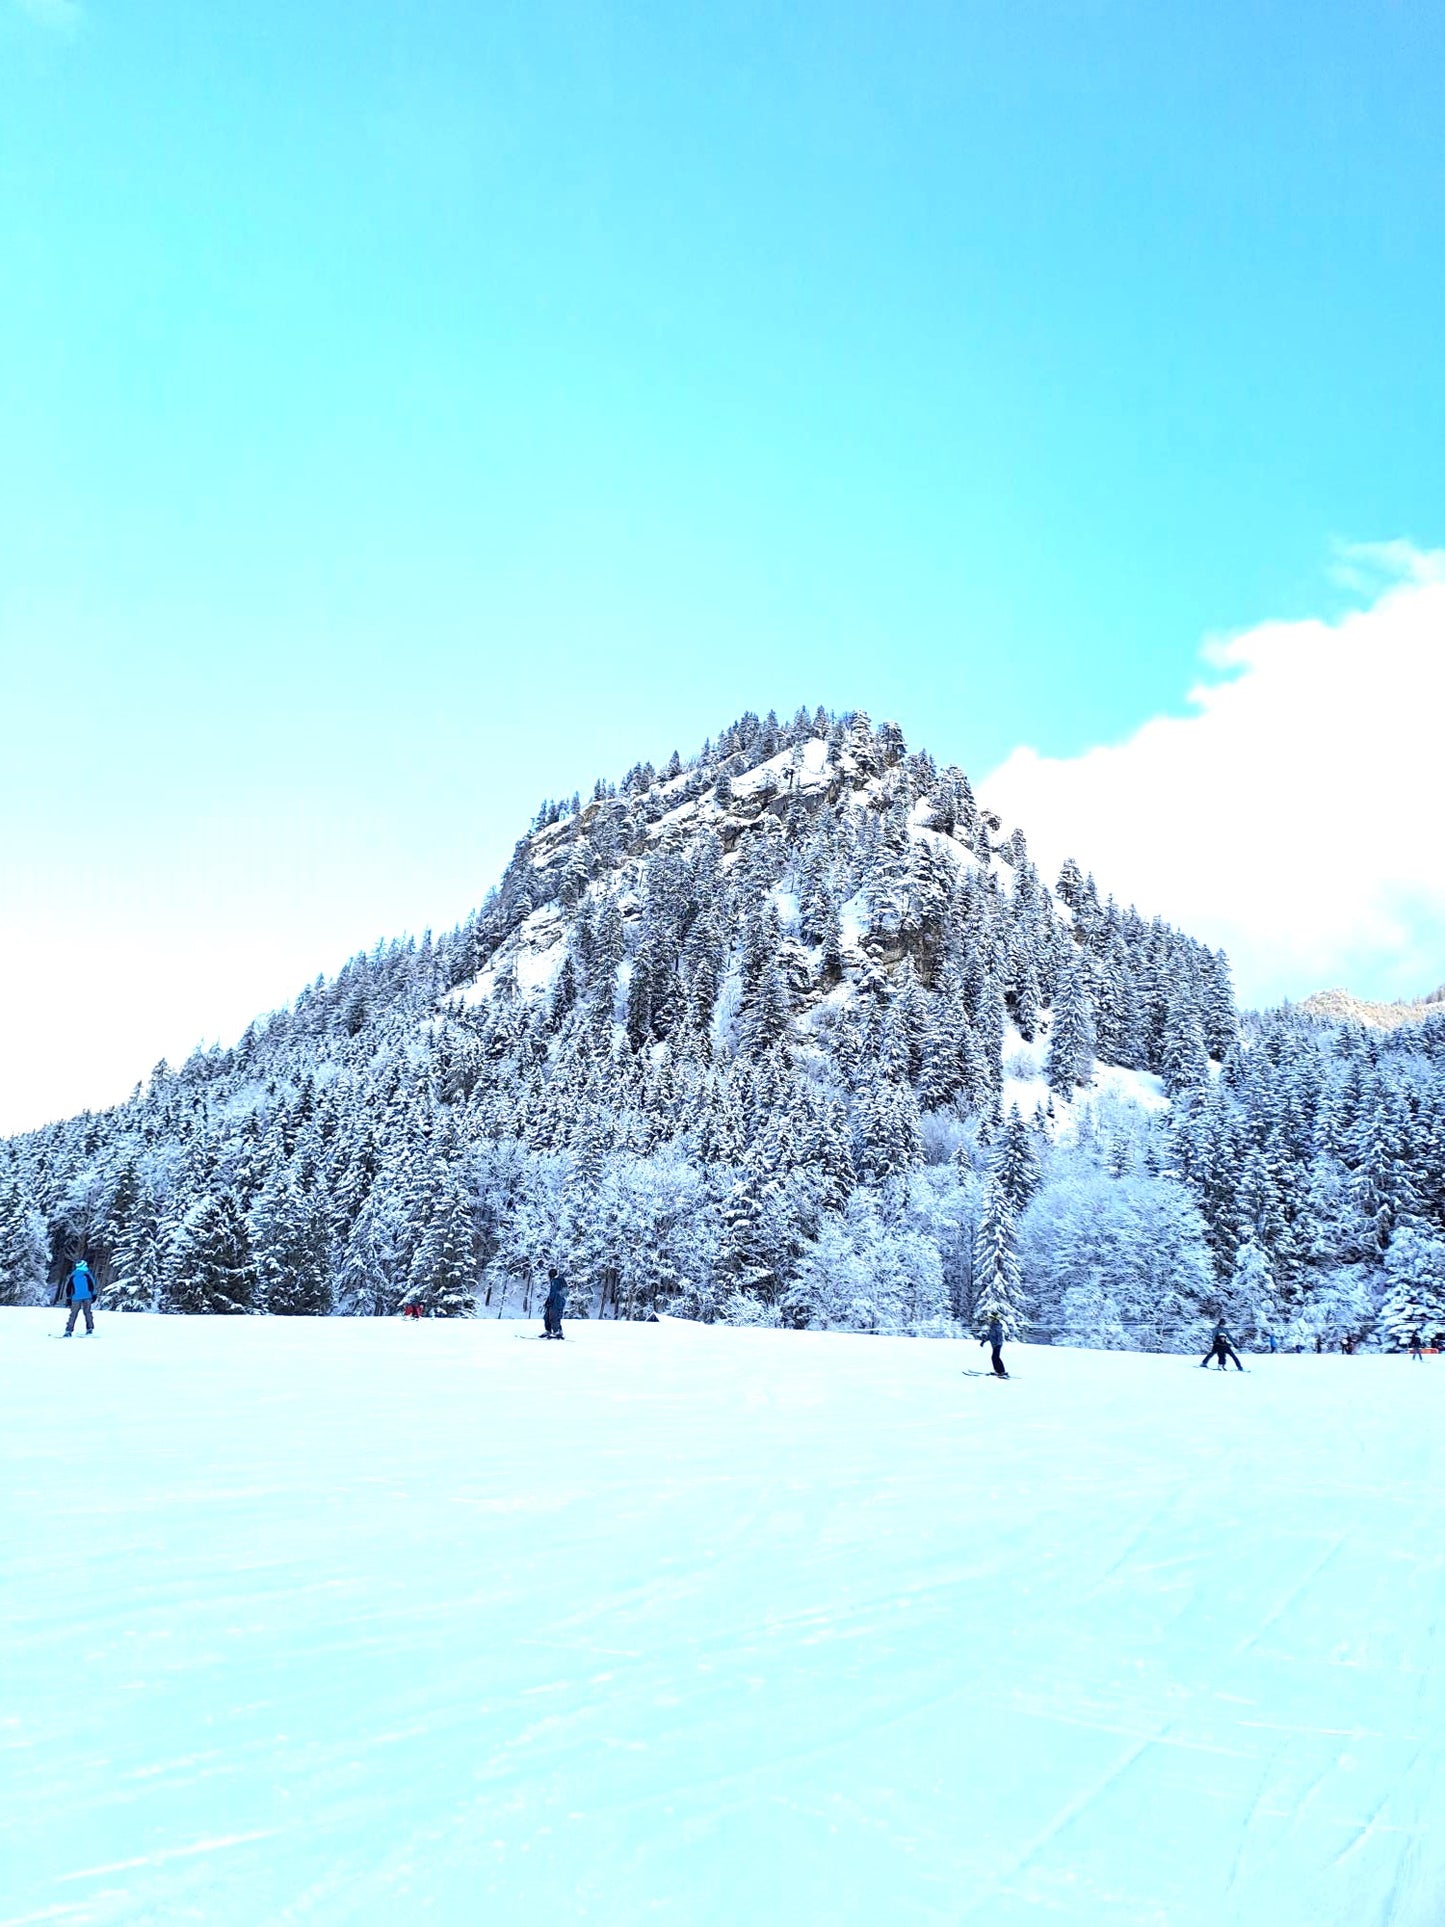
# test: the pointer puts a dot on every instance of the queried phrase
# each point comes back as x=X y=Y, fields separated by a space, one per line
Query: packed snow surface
x=354 y=1621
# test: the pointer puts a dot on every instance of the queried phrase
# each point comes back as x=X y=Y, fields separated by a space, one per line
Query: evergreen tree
x=1414 y=1271
x=288 y=1234
x=767 y=1013
x=140 y=1259
x=1249 y=1297
x=889 y=1139
x=24 y=1248
x=1014 y=1160
x=1186 y=1061
x=998 y=1281
x=373 y=1272
x=1070 y=1056
x=443 y=1277
x=210 y=1266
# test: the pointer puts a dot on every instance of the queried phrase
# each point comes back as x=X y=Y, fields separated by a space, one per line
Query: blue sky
x=408 y=413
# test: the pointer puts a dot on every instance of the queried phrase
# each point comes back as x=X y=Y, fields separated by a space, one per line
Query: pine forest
x=788 y=1033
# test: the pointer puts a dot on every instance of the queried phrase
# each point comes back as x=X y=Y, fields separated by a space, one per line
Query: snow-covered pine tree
x=1249 y=1305
x=24 y=1248
x=443 y=1279
x=997 y=1279
x=288 y=1237
x=140 y=1258
x=1186 y=1060
x=1414 y=1269
x=1069 y=1060
x=210 y=1266
x=1014 y=1160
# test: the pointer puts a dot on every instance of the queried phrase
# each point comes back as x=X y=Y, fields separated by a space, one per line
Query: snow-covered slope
x=353 y=1621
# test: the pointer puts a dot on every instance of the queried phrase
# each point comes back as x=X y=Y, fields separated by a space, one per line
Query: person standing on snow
x=993 y=1338
x=1220 y=1348
x=556 y=1303
x=1415 y=1351
x=79 y=1289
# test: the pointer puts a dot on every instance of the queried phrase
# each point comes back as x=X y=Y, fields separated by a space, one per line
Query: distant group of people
x=79 y=1291
x=1222 y=1350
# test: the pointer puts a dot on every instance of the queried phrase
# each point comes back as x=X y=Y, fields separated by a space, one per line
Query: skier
x=1415 y=1351
x=1271 y=1341
x=79 y=1289
x=556 y=1303
x=1220 y=1348
x=993 y=1338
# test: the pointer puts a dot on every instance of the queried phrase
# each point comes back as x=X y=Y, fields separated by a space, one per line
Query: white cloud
x=1296 y=817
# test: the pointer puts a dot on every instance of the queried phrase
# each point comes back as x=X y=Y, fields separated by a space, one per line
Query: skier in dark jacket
x=79 y=1289
x=1220 y=1348
x=1415 y=1349
x=556 y=1303
x=993 y=1338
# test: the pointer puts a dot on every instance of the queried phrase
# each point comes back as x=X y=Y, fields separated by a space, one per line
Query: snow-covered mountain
x=1341 y=1006
x=791 y=1031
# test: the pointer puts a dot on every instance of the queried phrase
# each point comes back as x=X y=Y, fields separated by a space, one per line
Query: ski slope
x=351 y=1621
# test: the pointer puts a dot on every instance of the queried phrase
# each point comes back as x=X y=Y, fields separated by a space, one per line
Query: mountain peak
x=769 y=1034
x=1341 y=1006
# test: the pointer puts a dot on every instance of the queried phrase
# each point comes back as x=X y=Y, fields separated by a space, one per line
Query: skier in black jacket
x=556 y=1303
x=1220 y=1348
x=993 y=1338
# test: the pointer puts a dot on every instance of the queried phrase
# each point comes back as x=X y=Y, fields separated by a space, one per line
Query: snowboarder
x=993 y=1338
x=1415 y=1351
x=1220 y=1348
x=79 y=1289
x=556 y=1303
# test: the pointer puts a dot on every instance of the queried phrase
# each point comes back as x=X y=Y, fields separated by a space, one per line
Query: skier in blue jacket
x=79 y=1291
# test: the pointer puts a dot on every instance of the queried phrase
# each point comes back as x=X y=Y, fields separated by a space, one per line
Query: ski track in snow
x=354 y=1621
